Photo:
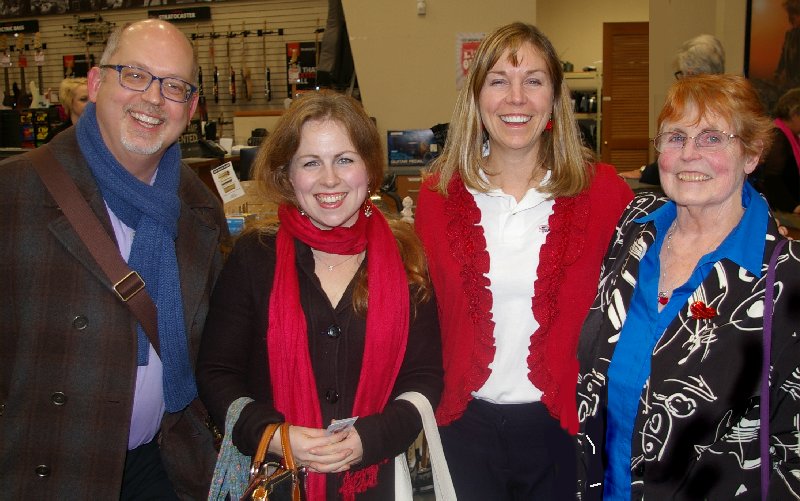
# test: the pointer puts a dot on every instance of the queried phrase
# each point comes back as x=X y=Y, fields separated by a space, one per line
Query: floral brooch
x=700 y=311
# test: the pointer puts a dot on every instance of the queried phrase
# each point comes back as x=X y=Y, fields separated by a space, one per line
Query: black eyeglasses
x=139 y=80
x=708 y=140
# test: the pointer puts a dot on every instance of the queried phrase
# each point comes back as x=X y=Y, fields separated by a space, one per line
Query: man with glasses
x=88 y=408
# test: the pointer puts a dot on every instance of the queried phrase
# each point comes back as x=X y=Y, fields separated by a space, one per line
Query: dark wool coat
x=67 y=344
x=696 y=431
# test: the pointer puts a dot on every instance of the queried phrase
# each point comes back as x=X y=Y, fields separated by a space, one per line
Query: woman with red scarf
x=778 y=177
x=330 y=316
x=515 y=221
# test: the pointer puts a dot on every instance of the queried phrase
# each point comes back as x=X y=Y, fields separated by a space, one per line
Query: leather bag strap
x=286 y=447
x=126 y=283
x=263 y=445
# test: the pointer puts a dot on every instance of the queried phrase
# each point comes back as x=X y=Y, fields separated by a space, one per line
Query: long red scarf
x=293 y=386
x=792 y=140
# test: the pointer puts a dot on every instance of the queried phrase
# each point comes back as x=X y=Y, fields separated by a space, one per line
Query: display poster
x=301 y=67
x=466 y=46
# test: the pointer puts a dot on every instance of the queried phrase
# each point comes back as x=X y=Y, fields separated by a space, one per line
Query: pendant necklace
x=663 y=294
x=332 y=266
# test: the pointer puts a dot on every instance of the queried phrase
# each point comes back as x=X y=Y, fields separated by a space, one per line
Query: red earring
x=549 y=125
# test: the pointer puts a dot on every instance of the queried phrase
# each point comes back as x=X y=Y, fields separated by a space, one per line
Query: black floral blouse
x=697 y=428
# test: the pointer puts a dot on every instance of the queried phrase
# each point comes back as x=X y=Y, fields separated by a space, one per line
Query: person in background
x=778 y=177
x=670 y=354
x=701 y=55
x=328 y=318
x=515 y=219
x=73 y=94
x=89 y=410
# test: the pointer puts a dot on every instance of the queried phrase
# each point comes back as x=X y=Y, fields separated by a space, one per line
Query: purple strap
x=769 y=305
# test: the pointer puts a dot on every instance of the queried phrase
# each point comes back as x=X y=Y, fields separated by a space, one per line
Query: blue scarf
x=152 y=211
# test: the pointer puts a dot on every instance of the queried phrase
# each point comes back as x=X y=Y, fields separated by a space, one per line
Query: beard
x=141 y=142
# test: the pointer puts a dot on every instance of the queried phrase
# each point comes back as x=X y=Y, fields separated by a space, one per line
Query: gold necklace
x=332 y=266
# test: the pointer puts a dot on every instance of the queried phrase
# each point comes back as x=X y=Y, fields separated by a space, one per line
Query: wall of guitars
x=252 y=53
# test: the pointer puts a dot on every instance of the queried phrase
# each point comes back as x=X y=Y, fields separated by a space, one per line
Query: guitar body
x=9 y=101
x=24 y=99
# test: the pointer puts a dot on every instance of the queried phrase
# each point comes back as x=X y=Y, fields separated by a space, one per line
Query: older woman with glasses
x=671 y=352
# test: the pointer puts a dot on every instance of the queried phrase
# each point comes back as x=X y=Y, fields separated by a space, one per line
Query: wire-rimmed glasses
x=708 y=140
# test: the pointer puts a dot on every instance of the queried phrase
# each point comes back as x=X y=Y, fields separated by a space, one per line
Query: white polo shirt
x=514 y=235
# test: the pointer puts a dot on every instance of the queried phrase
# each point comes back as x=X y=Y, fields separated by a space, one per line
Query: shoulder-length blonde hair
x=273 y=160
x=730 y=97
x=562 y=152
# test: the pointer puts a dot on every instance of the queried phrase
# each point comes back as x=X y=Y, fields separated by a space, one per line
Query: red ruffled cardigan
x=568 y=273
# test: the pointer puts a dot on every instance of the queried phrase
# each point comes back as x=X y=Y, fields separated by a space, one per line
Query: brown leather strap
x=263 y=444
x=126 y=283
x=286 y=447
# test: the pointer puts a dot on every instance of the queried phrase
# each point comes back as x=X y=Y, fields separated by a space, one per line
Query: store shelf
x=587 y=90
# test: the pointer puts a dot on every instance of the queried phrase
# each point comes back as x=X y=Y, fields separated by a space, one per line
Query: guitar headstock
x=5 y=54
x=22 y=59
x=38 y=48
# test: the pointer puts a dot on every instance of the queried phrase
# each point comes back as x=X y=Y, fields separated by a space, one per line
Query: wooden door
x=625 y=95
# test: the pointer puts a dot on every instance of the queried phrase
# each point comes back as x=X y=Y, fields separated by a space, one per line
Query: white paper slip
x=340 y=424
x=227 y=182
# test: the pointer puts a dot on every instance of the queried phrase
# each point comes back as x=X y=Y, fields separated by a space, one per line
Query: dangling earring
x=367 y=207
x=549 y=125
x=301 y=211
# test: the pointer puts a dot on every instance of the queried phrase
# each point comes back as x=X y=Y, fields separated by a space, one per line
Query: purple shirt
x=148 y=399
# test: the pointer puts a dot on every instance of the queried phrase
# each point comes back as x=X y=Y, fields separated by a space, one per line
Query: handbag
x=442 y=482
x=769 y=306
x=188 y=439
x=272 y=481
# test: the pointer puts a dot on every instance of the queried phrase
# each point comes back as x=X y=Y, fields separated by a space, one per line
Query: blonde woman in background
x=73 y=94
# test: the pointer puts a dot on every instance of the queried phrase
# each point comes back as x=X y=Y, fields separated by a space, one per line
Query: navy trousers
x=510 y=452
x=144 y=476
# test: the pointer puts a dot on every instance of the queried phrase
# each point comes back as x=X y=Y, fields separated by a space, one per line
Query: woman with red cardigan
x=515 y=221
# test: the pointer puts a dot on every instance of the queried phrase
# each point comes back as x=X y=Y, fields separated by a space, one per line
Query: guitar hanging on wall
x=39 y=99
x=24 y=99
x=5 y=62
x=247 y=83
x=232 y=79
x=202 y=107
x=212 y=53
x=267 y=72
